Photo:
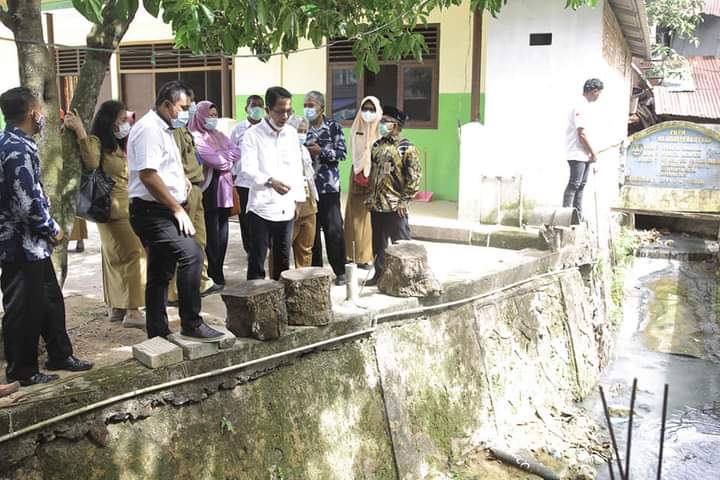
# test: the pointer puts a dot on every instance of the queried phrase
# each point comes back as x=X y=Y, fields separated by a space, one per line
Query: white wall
x=8 y=57
x=529 y=92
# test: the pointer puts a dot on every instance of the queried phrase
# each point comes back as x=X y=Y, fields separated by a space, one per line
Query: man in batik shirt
x=32 y=298
x=394 y=180
x=326 y=144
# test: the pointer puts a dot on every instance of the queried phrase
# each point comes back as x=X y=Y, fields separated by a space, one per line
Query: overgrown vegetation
x=673 y=19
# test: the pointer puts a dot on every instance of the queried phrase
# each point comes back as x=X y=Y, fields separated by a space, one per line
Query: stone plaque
x=673 y=166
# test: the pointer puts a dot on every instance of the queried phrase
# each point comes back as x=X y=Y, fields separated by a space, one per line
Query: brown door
x=138 y=92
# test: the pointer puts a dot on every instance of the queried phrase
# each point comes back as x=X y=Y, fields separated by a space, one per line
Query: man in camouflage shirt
x=394 y=180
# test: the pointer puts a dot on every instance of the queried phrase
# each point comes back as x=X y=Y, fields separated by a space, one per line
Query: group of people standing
x=176 y=176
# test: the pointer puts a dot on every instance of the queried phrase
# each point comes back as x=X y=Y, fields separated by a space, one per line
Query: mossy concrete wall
x=387 y=405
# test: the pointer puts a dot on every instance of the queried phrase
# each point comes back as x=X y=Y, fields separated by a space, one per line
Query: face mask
x=310 y=113
x=192 y=110
x=302 y=137
x=273 y=124
x=182 y=119
x=383 y=128
x=255 y=113
x=211 y=123
x=123 y=131
x=369 y=116
x=40 y=122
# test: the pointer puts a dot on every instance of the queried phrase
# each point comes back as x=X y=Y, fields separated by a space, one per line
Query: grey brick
x=193 y=349
x=157 y=352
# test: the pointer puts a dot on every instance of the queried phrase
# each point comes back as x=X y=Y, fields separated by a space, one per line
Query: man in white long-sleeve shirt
x=272 y=161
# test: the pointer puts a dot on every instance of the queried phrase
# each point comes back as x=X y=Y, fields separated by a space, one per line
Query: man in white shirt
x=271 y=160
x=255 y=110
x=158 y=192
x=580 y=154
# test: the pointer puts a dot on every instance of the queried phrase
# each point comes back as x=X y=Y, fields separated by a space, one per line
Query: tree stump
x=256 y=308
x=406 y=272
x=307 y=295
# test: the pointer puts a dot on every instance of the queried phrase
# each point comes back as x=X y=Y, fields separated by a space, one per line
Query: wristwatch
x=268 y=183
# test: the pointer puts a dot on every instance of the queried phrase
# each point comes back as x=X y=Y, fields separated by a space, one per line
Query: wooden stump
x=256 y=308
x=307 y=295
x=406 y=272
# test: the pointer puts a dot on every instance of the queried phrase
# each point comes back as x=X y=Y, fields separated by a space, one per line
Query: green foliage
x=380 y=30
x=679 y=19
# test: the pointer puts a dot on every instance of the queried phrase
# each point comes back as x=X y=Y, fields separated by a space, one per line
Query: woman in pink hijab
x=218 y=155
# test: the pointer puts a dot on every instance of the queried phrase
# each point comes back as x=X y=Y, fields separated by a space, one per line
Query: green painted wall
x=442 y=145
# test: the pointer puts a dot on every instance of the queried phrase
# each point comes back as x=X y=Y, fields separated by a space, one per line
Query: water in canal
x=670 y=333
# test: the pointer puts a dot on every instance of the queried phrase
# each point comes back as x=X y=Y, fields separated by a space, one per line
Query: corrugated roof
x=704 y=102
x=712 y=7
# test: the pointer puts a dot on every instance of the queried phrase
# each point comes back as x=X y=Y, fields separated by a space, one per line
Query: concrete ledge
x=497 y=236
x=95 y=385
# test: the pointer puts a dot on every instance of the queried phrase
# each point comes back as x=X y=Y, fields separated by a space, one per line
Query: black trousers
x=267 y=234
x=329 y=219
x=244 y=194
x=576 y=185
x=216 y=226
x=386 y=226
x=34 y=307
x=167 y=248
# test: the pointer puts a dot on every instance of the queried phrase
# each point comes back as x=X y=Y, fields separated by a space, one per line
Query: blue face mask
x=255 y=113
x=211 y=123
x=182 y=119
x=192 y=110
x=383 y=129
x=310 y=113
x=302 y=137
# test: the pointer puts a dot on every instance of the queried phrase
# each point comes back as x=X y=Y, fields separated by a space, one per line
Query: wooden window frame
x=227 y=97
x=434 y=94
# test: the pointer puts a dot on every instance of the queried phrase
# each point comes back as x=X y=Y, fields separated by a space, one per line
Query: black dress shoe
x=37 y=379
x=365 y=266
x=340 y=280
x=216 y=288
x=372 y=282
x=202 y=332
x=71 y=364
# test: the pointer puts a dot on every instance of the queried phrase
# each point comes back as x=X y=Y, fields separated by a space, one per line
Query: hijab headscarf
x=362 y=137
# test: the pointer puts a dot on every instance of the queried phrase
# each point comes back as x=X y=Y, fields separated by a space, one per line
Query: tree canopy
x=381 y=30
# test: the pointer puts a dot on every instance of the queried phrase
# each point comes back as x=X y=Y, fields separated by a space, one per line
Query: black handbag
x=93 y=197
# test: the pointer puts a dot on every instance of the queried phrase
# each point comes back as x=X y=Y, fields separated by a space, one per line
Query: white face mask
x=302 y=137
x=369 y=116
x=123 y=131
x=211 y=123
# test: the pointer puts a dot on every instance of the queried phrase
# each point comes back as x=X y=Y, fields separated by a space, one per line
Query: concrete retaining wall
x=390 y=404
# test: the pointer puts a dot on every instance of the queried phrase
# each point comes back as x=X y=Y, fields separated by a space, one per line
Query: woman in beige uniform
x=123 y=256
x=358 y=231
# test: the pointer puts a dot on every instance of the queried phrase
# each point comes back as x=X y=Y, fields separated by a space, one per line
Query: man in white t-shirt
x=272 y=162
x=579 y=152
x=255 y=110
x=158 y=191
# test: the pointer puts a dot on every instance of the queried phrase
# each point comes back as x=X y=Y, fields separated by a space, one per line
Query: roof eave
x=633 y=20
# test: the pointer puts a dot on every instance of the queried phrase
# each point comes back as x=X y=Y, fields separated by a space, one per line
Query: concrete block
x=157 y=352
x=226 y=341
x=193 y=349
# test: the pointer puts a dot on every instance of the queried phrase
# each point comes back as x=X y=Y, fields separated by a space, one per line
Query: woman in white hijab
x=363 y=134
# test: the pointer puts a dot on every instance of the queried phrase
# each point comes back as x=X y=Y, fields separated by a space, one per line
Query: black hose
x=526 y=464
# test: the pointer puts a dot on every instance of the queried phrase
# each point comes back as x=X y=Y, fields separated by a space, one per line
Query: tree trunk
x=59 y=154
x=92 y=74
x=37 y=72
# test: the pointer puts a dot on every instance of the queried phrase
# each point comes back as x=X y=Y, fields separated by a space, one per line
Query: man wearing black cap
x=394 y=181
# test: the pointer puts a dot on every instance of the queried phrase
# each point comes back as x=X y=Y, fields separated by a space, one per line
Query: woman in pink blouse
x=218 y=156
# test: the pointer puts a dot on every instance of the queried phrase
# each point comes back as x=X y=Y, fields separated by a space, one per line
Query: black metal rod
x=610 y=469
x=630 y=424
x=612 y=433
x=662 y=432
